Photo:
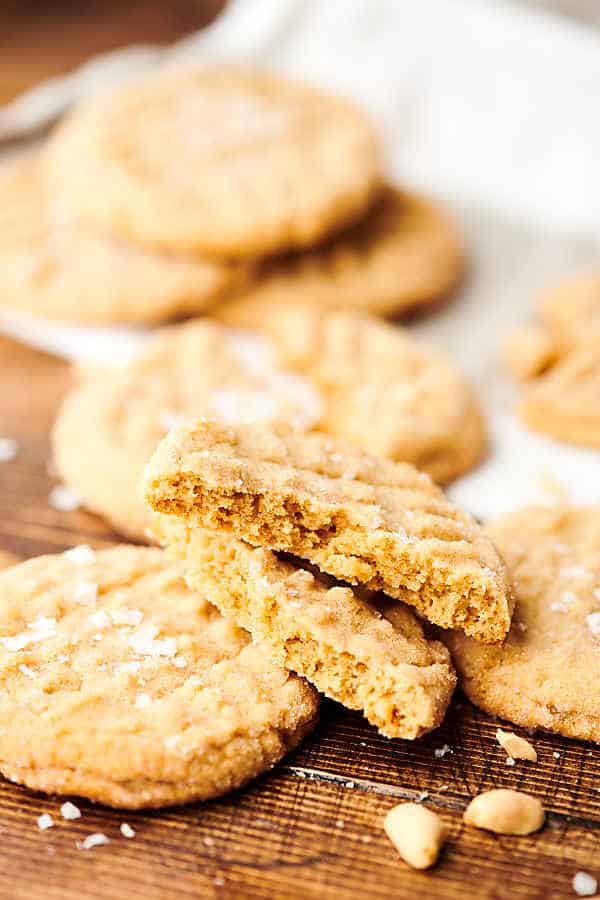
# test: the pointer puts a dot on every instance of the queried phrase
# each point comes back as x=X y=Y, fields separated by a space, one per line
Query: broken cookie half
x=369 y=654
x=361 y=519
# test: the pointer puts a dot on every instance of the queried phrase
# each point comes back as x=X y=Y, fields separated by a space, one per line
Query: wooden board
x=312 y=827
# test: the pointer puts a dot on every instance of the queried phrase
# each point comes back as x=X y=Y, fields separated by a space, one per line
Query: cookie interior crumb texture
x=370 y=655
x=361 y=519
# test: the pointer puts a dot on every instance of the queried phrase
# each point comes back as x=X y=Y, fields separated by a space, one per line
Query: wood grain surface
x=312 y=827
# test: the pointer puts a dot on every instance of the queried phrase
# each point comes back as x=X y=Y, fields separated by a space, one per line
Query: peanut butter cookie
x=226 y=161
x=365 y=520
x=547 y=672
x=123 y=685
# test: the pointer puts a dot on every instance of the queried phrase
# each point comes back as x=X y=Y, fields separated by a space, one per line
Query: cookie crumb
x=126 y=830
x=440 y=752
x=516 y=747
x=69 y=811
x=97 y=839
x=8 y=449
x=584 y=884
x=340 y=823
x=556 y=754
x=45 y=821
x=510 y=761
x=63 y=499
x=208 y=841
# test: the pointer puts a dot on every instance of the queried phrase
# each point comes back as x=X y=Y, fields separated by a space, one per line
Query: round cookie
x=122 y=685
x=571 y=310
x=404 y=255
x=110 y=424
x=564 y=401
x=341 y=373
x=53 y=269
x=546 y=674
x=220 y=160
x=381 y=390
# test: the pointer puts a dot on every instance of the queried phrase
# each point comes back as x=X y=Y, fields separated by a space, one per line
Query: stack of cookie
x=196 y=187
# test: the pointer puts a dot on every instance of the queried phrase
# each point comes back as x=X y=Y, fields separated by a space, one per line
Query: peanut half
x=416 y=832
x=505 y=812
x=515 y=746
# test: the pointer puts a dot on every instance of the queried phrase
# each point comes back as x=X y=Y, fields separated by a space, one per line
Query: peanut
x=505 y=812
x=416 y=832
x=516 y=746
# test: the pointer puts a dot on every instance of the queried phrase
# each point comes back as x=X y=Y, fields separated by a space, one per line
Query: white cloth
x=490 y=106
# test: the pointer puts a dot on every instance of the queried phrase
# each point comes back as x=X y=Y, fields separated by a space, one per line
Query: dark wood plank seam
x=390 y=790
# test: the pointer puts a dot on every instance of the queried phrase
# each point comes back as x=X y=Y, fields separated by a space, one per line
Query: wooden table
x=312 y=827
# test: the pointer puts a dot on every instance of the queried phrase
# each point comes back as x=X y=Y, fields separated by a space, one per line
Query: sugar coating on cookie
x=112 y=421
x=222 y=160
x=52 y=268
x=137 y=694
x=360 y=518
x=405 y=254
x=381 y=390
x=547 y=672
x=370 y=655
x=342 y=373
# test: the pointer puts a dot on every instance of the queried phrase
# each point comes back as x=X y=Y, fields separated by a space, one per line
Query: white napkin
x=490 y=106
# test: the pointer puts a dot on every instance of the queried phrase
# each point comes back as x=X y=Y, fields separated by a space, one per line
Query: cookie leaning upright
x=121 y=684
x=218 y=160
x=359 y=518
x=546 y=674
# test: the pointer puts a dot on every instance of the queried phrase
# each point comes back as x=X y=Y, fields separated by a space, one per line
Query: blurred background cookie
x=225 y=161
x=404 y=255
x=55 y=269
x=338 y=372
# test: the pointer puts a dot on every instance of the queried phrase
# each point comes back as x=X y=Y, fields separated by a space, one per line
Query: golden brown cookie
x=381 y=390
x=547 y=672
x=53 y=269
x=565 y=401
x=222 y=160
x=121 y=684
x=337 y=372
x=559 y=362
x=111 y=422
x=571 y=310
x=365 y=520
x=368 y=656
x=405 y=254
